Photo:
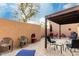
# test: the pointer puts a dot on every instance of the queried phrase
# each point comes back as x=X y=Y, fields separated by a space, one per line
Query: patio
x=67 y=16
x=43 y=47
x=62 y=17
x=41 y=51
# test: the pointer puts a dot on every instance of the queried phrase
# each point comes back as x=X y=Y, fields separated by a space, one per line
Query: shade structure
x=67 y=16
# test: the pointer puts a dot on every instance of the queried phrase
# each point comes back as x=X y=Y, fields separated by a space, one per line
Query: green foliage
x=28 y=10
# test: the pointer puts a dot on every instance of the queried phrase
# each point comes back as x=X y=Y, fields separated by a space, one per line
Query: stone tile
x=41 y=51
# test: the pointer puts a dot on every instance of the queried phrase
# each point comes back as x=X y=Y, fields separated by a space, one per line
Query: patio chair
x=74 y=35
x=63 y=35
x=49 y=39
x=74 y=45
x=55 y=35
x=33 y=38
x=51 y=42
x=23 y=41
x=51 y=35
x=7 y=42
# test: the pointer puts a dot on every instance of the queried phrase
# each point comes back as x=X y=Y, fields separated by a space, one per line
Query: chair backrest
x=33 y=35
x=7 y=40
x=74 y=35
x=63 y=35
x=51 y=34
x=48 y=38
x=75 y=43
x=23 y=38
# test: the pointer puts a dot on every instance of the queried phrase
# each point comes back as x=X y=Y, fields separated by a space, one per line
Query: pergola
x=67 y=16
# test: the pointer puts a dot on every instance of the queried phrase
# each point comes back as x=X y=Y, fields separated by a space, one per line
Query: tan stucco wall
x=64 y=28
x=15 y=29
x=55 y=27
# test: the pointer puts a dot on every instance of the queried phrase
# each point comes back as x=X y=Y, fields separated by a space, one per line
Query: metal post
x=59 y=31
x=46 y=33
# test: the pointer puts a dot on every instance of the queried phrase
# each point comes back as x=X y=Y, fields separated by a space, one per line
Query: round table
x=61 y=43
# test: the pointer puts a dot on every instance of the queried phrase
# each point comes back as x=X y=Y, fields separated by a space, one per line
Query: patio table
x=61 y=43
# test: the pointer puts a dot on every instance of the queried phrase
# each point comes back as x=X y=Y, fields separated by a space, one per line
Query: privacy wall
x=15 y=30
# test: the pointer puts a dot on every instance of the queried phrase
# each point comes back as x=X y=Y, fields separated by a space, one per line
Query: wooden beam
x=66 y=15
x=65 y=11
x=67 y=19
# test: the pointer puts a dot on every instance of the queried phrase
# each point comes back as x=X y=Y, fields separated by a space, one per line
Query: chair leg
x=54 y=47
x=65 y=48
x=74 y=50
x=9 y=47
x=70 y=49
x=71 y=52
x=61 y=49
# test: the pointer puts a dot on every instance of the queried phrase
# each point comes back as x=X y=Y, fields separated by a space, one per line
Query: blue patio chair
x=74 y=45
x=74 y=35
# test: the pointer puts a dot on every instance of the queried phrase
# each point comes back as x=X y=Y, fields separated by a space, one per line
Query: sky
x=7 y=10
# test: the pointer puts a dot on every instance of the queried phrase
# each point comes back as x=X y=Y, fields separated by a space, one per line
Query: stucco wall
x=55 y=27
x=15 y=29
x=64 y=28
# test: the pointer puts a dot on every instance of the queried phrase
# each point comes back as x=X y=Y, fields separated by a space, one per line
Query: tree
x=27 y=10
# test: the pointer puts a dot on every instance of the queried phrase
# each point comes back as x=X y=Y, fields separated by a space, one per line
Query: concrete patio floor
x=41 y=51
